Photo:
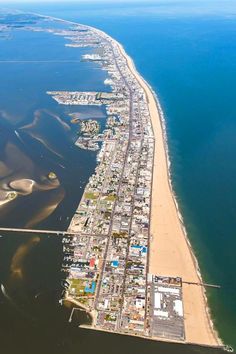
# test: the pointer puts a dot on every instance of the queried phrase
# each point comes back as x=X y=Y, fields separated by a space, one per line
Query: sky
x=78 y=1
x=168 y=8
x=97 y=1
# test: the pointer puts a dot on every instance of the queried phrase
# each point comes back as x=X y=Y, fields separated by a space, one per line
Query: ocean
x=187 y=52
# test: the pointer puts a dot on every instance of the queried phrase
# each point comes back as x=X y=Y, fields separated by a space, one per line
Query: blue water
x=187 y=51
x=46 y=134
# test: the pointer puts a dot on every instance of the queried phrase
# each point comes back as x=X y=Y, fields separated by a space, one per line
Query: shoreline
x=209 y=335
x=174 y=196
x=153 y=339
x=181 y=220
x=215 y=340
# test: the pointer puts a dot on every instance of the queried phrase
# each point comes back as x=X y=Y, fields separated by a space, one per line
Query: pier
x=206 y=285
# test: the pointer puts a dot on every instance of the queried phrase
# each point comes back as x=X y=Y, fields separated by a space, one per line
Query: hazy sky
x=85 y=1
x=79 y=1
x=112 y=1
x=171 y=7
x=5 y=2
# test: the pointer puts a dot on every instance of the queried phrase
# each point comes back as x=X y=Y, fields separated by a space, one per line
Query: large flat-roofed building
x=166 y=307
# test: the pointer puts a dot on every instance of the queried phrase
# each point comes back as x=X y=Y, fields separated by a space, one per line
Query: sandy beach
x=170 y=251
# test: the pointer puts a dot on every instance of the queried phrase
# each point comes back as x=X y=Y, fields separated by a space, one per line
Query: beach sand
x=170 y=251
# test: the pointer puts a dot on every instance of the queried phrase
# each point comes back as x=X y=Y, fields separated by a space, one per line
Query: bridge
x=49 y=232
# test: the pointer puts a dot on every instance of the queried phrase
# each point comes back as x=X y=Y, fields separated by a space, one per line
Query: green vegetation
x=52 y=175
x=111 y=198
x=91 y=195
x=82 y=212
x=122 y=234
x=109 y=317
x=75 y=282
x=107 y=215
x=129 y=264
x=97 y=248
x=77 y=287
x=11 y=195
